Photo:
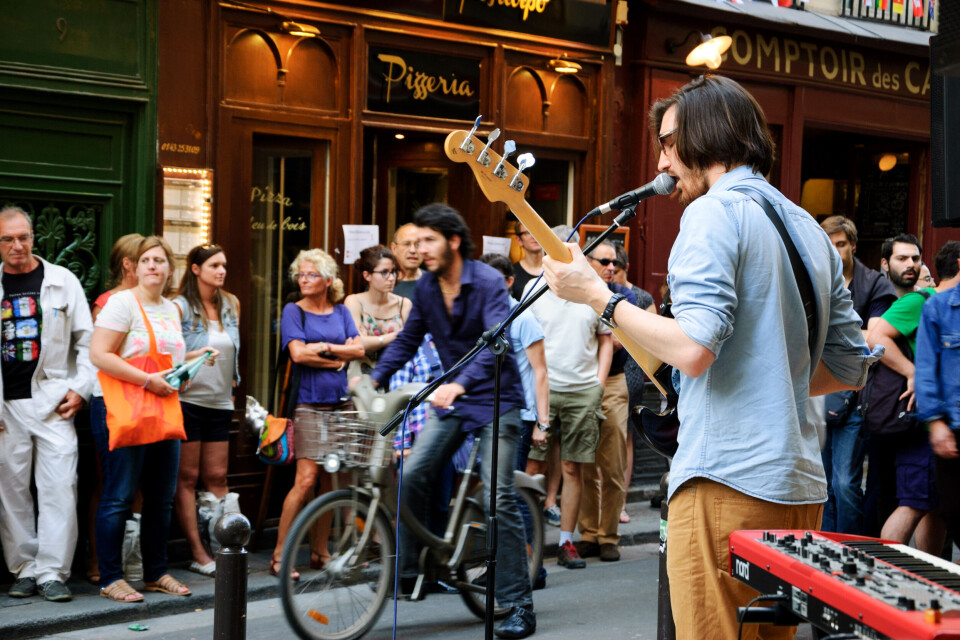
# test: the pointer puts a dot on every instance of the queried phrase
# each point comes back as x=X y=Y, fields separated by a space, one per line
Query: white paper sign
x=358 y=237
x=494 y=244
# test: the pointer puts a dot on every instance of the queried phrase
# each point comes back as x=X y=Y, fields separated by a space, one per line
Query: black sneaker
x=23 y=588
x=56 y=591
x=568 y=557
x=521 y=623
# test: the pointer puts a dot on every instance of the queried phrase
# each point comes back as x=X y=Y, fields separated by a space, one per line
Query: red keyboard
x=845 y=584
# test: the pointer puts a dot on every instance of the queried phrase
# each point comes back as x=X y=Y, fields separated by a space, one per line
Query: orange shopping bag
x=136 y=416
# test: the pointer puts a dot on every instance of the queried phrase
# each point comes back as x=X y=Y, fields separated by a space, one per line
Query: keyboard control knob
x=905 y=603
x=868 y=560
x=861 y=581
x=850 y=568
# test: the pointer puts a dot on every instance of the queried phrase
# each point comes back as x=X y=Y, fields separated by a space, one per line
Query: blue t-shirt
x=319 y=385
x=524 y=331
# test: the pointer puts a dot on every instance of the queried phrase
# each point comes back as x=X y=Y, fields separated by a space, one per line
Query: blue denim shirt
x=195 y=332
x=743 y=422
x=481 y=304
x=937 y=379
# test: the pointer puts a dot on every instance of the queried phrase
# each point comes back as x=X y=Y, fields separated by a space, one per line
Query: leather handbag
x=136 y=416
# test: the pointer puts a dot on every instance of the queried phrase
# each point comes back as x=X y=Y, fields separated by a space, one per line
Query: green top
x=904 y=315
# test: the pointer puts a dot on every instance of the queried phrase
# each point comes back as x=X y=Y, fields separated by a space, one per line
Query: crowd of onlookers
x=577 y=387
x=900 y=422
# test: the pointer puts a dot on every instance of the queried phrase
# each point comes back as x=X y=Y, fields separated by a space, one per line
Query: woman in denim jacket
x=210 y=317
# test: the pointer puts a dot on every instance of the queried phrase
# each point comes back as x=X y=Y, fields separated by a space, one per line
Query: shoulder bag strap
x=800 y=273
x=146 y=321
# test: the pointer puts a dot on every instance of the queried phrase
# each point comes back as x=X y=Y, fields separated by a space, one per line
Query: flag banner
x=898 y=7
x=917 y=8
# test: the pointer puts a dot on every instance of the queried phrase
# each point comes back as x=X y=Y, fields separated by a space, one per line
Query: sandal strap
x=118 y=590
x=170 y=583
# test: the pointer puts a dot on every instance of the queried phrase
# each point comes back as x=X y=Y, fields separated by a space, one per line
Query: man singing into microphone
x=747 y=458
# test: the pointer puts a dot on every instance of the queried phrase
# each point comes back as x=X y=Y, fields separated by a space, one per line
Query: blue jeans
x=438 y=440
x=153 y=468
x=843 y=454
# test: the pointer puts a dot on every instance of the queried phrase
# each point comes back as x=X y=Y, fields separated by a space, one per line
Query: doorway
x=865 y=178
x=288 y=213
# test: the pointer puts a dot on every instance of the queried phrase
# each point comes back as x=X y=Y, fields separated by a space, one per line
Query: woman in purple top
x=322 y=338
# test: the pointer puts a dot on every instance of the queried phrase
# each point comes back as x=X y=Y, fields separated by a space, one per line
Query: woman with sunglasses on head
x=209 y=317
x=322 y=338
x=123 y=331
x=378 y=313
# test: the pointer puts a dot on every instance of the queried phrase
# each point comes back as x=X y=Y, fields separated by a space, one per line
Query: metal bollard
x=666 y=630
x=230 y=595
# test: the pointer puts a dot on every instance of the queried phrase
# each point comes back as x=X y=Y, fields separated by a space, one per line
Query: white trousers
x=43 y=547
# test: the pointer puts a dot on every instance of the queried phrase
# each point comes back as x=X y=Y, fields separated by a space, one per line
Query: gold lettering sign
x=523 y=5
x=825 y=62
x=286 y=224
x=420 y=84
x=266 y=194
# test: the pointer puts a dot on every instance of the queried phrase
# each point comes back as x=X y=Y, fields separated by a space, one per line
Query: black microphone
x=662 y=185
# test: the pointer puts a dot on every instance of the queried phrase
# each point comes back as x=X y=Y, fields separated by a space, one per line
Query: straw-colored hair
x=325 y=265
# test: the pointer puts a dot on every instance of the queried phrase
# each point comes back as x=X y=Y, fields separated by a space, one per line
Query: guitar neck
x=552 y=245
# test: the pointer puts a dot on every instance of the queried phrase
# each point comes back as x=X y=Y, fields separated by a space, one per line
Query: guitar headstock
x=499 y=180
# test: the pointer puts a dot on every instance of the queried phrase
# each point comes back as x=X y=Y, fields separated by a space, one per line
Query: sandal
x=318 y=561
x=275 y=569
x=120 y=591
x=624 y=516
x=93 y=577
x=209 y=569
x=168 y=584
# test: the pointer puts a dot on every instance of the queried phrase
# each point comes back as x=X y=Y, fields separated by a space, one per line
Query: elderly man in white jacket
x=46 y=377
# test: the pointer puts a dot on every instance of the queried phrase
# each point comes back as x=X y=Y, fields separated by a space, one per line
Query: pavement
x=34 y=617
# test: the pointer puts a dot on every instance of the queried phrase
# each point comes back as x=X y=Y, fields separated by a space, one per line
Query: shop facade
x=301 y=118
x=850 y=116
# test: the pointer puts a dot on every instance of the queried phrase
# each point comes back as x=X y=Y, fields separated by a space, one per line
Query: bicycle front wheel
x=343 y=599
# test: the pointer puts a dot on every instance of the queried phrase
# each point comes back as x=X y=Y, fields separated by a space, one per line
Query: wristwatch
x=543 y=426
x=607 y=316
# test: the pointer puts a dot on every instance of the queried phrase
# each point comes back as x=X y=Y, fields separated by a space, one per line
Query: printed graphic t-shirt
x=22 y=322
x=122 y=314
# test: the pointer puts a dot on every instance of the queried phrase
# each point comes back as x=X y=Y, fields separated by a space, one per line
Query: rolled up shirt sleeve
x=845 y=351
x=702 y=273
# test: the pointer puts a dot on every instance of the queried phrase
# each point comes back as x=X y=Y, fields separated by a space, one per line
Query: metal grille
x=347 y=434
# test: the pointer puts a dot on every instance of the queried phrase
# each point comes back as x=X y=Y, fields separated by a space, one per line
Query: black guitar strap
x=800 y=273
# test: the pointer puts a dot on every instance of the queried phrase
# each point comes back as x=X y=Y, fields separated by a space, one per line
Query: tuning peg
x=508 y=148
x=524 y=161
x=467 y=144
x=484 y=157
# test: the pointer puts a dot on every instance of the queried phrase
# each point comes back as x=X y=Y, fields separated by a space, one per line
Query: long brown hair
x=190 y=288
x=125 y=247
x=718 y=122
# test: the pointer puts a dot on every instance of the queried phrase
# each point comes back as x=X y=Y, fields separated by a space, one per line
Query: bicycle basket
x=346 y=434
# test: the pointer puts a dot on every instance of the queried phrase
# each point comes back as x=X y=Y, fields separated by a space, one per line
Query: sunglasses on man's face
x=607 y=262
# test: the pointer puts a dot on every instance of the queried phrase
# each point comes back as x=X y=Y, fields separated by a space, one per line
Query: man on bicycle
x=456 y=301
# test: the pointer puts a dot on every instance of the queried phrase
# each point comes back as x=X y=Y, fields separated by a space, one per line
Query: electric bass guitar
x=502 y=182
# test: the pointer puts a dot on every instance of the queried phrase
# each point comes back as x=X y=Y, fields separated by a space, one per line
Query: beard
x=443 y=264
x=905 y=279
x=692 y=186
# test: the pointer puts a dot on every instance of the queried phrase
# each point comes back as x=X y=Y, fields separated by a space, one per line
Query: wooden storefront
x=836 y=105
x=345 y=122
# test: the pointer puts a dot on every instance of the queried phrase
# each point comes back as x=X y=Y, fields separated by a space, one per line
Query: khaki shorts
x=575 y=418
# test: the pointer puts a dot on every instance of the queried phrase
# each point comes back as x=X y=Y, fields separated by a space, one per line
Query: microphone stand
x=494 y=340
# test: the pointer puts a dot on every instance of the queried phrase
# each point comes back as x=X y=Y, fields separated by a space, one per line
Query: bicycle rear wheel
x=343 y=600
x=475 y=572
